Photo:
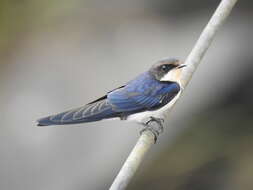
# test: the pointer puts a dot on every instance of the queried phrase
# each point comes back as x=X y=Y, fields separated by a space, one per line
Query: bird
x=143 y=99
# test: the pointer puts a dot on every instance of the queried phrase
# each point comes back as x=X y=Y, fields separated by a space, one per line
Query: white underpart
x=172 y=75
x=162 y=112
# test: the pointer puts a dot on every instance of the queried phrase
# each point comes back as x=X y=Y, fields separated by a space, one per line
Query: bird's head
x=167 y=70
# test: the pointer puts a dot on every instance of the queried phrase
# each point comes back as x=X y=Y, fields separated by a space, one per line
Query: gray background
x=60 y=54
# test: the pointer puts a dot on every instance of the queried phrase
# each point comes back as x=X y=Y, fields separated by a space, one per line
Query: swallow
x=145 y=98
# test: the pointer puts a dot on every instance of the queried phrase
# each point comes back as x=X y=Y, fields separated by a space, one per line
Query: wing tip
x=44 y=122
x=41 y=125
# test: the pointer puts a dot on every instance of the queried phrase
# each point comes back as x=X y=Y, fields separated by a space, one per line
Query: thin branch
x=205 y=39
x=133 y=161
x=147 y=138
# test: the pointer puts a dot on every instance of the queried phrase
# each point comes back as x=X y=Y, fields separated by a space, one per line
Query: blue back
x=142 y=93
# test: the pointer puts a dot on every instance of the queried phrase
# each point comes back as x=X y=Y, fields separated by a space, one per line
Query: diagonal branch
x=205 y=39
x=147 y=138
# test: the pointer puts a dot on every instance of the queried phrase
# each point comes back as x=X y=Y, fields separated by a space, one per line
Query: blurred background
x=60 y=54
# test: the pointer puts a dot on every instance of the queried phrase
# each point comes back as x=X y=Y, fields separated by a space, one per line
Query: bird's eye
x=165 y=68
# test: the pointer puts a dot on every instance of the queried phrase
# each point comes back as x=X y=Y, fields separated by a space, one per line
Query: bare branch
x=147 y=138
x=205 y=39
x=133 y=161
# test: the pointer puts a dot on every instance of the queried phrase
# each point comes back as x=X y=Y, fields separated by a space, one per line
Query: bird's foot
x=155 y=125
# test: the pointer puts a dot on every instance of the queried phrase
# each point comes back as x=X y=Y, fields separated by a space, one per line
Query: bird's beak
x=181 y=66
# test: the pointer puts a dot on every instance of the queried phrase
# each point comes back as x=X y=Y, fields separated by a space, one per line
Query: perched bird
x=143 y=99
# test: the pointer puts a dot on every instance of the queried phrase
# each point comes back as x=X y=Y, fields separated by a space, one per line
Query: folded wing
x=95 y=111
x=143 y=93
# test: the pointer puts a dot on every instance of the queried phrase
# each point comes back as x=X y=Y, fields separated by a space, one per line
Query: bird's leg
x=155 y=125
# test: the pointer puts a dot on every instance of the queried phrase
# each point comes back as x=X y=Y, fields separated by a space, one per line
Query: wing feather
x=88 y=113
x=145 y=94
x=142 y=93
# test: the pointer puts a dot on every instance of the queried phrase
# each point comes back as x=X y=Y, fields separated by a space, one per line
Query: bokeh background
x=59 y=54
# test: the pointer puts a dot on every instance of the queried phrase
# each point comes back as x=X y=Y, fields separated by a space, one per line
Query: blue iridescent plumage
x=140 y=99
x=141 y=94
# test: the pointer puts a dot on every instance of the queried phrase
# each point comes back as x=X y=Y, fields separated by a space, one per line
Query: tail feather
x=91 y=112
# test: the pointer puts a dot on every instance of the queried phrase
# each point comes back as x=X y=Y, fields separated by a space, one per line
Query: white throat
x=173 y=76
